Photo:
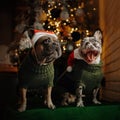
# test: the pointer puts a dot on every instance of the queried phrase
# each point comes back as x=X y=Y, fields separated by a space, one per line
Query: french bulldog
x=85 y=68
x=37 y=68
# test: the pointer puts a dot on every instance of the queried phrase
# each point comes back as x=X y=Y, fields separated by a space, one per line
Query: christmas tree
x=71 y=20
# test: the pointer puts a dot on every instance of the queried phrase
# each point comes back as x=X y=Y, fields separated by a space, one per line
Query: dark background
x=6 y=21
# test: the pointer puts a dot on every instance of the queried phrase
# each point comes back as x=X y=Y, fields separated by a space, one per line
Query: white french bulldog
x=84 y=67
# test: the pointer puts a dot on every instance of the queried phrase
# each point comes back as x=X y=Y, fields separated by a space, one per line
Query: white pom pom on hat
x=39 y=33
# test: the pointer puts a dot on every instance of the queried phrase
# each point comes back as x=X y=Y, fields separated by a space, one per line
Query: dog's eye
x=86 y=43
x=96 y=45
x=46 y=41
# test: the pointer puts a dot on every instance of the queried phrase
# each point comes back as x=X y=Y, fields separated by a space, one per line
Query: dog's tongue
x=90 y=56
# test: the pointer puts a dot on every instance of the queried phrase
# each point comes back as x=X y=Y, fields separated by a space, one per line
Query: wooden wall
x=109 y=11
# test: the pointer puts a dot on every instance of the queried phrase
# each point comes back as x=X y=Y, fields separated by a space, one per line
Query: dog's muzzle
x=90 y=55
x=90 y=49
x=52 y=48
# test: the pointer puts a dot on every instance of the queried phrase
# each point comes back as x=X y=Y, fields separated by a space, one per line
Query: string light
x=81 y=18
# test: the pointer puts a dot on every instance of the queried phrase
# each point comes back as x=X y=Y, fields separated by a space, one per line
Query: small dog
x=37 y=68
x=84 y=68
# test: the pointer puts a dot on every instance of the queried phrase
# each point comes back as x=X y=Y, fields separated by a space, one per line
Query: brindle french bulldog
x=37 y=68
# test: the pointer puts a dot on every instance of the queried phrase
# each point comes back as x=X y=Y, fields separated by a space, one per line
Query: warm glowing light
x=79 y=7
x=64 y=23
x=87 y=32
x=72 y=29
x=94 y=9
x=61 y=40
x=48 y=5
x=54 y=18
x=78 y=44
x=68 y=5
x=75 y=8
x=59 y=4
x=71 y=10
x=57 y=24
x=67 y=20
x=48 y=26
x=76 y=29
x=64 y=48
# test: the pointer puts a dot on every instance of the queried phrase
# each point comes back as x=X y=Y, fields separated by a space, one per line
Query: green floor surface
x=101 y=112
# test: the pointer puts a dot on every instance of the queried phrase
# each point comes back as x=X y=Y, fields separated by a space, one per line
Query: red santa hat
x=38 y=34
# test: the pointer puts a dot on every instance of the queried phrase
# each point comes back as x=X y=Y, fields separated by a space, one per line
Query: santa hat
x=38 y=34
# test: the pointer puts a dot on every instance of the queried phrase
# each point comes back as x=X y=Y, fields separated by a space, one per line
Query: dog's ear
x=31 y=33
x=58 y=49
x=98 y=35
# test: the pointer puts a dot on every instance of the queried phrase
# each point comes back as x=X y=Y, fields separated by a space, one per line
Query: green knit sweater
x=33 y=75
x=87 y=75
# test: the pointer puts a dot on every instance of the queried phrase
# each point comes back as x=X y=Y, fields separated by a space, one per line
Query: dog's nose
x=91 y=47
x=54 y=45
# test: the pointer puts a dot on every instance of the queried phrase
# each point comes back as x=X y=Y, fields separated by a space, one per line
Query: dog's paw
x=95 y=101
x=49 y=104
x=80 y=104
x=22 y=108
x=64 y=103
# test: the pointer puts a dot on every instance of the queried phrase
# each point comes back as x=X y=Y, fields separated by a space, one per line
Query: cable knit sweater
x=87 y=75
x=33 y=75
